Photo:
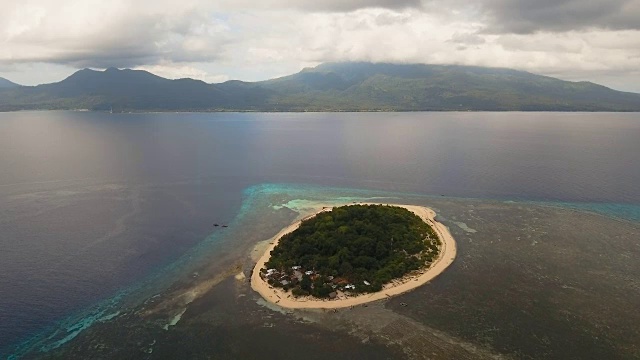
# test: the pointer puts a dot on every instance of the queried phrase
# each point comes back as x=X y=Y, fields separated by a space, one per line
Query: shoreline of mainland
x=396 y=287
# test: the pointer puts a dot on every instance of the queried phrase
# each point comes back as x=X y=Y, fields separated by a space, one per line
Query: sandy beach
x=396 y=287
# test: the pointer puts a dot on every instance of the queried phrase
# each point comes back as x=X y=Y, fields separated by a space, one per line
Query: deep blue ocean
x=93 y=205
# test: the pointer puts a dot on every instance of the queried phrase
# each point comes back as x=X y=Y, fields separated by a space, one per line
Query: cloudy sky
x=46 y=40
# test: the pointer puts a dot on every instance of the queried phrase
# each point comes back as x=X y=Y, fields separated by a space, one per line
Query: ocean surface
x=99 y=212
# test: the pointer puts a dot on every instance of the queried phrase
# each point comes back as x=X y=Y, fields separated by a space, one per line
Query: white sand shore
x=399 y=286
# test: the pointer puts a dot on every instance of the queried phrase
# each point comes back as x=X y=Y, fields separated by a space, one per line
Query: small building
x=298 y=275
x=284 y=282
x=340 y=281
x=297 y=267
x=308 y=272
x=367 y=283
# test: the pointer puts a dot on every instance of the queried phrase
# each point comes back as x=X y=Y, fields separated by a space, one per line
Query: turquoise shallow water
x=259 y=203
x=620 y=211
x=99 y=212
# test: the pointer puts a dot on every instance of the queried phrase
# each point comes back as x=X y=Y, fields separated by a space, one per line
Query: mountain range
x=327 y=87
x=5 y=84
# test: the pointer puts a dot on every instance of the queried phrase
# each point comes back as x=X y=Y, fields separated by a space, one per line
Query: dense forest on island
x=356 y=248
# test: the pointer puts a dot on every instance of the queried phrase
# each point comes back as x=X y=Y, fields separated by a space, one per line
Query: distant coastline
x=330 y=87
x=310 y=111
x=399 y=286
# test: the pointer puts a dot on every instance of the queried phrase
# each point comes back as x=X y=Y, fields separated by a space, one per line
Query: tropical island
x=353 y=254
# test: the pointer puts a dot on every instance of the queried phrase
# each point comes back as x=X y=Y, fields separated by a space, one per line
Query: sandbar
x=396 y=287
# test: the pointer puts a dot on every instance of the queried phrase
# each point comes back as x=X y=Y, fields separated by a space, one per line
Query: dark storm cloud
x=527 y=16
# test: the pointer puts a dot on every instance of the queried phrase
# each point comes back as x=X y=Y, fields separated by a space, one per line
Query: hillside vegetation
x=327 y=87
x=6 y=84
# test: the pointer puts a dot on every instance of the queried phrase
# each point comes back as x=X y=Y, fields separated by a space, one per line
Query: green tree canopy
x=357 y=243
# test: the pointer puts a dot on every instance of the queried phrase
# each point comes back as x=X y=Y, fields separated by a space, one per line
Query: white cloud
x=239 y=39
x=181 y=71
x=102 y=33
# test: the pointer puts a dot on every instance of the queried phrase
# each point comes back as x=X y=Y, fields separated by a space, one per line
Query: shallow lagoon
x=530 y=281
x=125 y=206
